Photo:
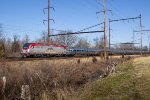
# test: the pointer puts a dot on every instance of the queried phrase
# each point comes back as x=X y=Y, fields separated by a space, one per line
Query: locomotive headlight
x=28 y=50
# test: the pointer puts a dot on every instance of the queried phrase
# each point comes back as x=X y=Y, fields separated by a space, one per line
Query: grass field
x=50 y=78
x=130 y=83
x=77 y=79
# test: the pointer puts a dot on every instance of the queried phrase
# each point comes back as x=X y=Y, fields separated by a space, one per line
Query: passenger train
x=43 y=50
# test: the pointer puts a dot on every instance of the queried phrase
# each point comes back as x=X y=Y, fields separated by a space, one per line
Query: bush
x=2 y=50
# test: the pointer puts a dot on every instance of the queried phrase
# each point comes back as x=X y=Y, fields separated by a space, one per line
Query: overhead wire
x=22 y=28
x=120 y=14
x=90 y=27
x=88 y=2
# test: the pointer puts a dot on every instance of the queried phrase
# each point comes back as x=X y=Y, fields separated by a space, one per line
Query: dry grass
x=54 y=79
x=109 y=88
x=142 y=73
x=130 y=83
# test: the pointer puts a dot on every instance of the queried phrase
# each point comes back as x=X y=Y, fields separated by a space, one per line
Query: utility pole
x=109 y=34
x=48 y=21
x=141 y=36
x=105 y=55
x=133 y=41
x=104 y=11
x=141 y=33
x=49 y=41
x=149 y=42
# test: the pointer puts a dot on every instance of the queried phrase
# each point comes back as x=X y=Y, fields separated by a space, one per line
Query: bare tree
x=82 y=43
x=43 y=38
x=26 y=39
x=2 y=42
x=8 y=47
x=145 y=48
x=99 y=42
x=68 y=40
x=126 y=46
x=1 y=31
x=15 y=44
x=116 y=46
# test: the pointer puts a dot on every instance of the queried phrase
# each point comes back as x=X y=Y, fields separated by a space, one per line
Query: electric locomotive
x=40 y=50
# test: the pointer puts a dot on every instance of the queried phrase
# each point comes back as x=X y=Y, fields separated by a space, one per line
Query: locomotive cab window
x=26 y=45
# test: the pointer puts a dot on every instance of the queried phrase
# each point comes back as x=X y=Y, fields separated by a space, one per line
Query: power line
x=133 y=18
x=90 y=4
x=29 y=30
x=142 y=31
x=91 y=27
x=123 y=19
x=120 y=14
x=17 y=29
x=76 y=33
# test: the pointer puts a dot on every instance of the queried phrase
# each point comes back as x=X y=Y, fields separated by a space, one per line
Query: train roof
x=42 y=44
x=87 y=49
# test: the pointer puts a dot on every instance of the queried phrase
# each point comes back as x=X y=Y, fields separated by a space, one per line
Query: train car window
x=50 y=48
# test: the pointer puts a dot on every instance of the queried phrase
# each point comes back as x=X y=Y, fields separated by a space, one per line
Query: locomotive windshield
x=26 y=45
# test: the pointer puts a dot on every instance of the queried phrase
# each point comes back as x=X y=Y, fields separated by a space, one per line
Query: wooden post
x=25 y=92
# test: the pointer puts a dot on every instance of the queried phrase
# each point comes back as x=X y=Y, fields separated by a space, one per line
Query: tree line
x=12 y=47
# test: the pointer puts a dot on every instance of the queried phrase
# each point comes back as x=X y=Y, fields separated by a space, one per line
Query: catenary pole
x=49 y=42
x=105 y=55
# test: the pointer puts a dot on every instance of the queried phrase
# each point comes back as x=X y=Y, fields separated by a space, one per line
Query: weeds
x=49 y=80
x=94 y=60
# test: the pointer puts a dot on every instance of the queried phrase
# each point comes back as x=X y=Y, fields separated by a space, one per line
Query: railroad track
x=11 y=59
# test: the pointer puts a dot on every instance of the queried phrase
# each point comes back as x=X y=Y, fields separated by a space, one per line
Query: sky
x=25 y=17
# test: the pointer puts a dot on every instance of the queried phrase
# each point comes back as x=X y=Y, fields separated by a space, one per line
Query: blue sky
x=26 y=17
